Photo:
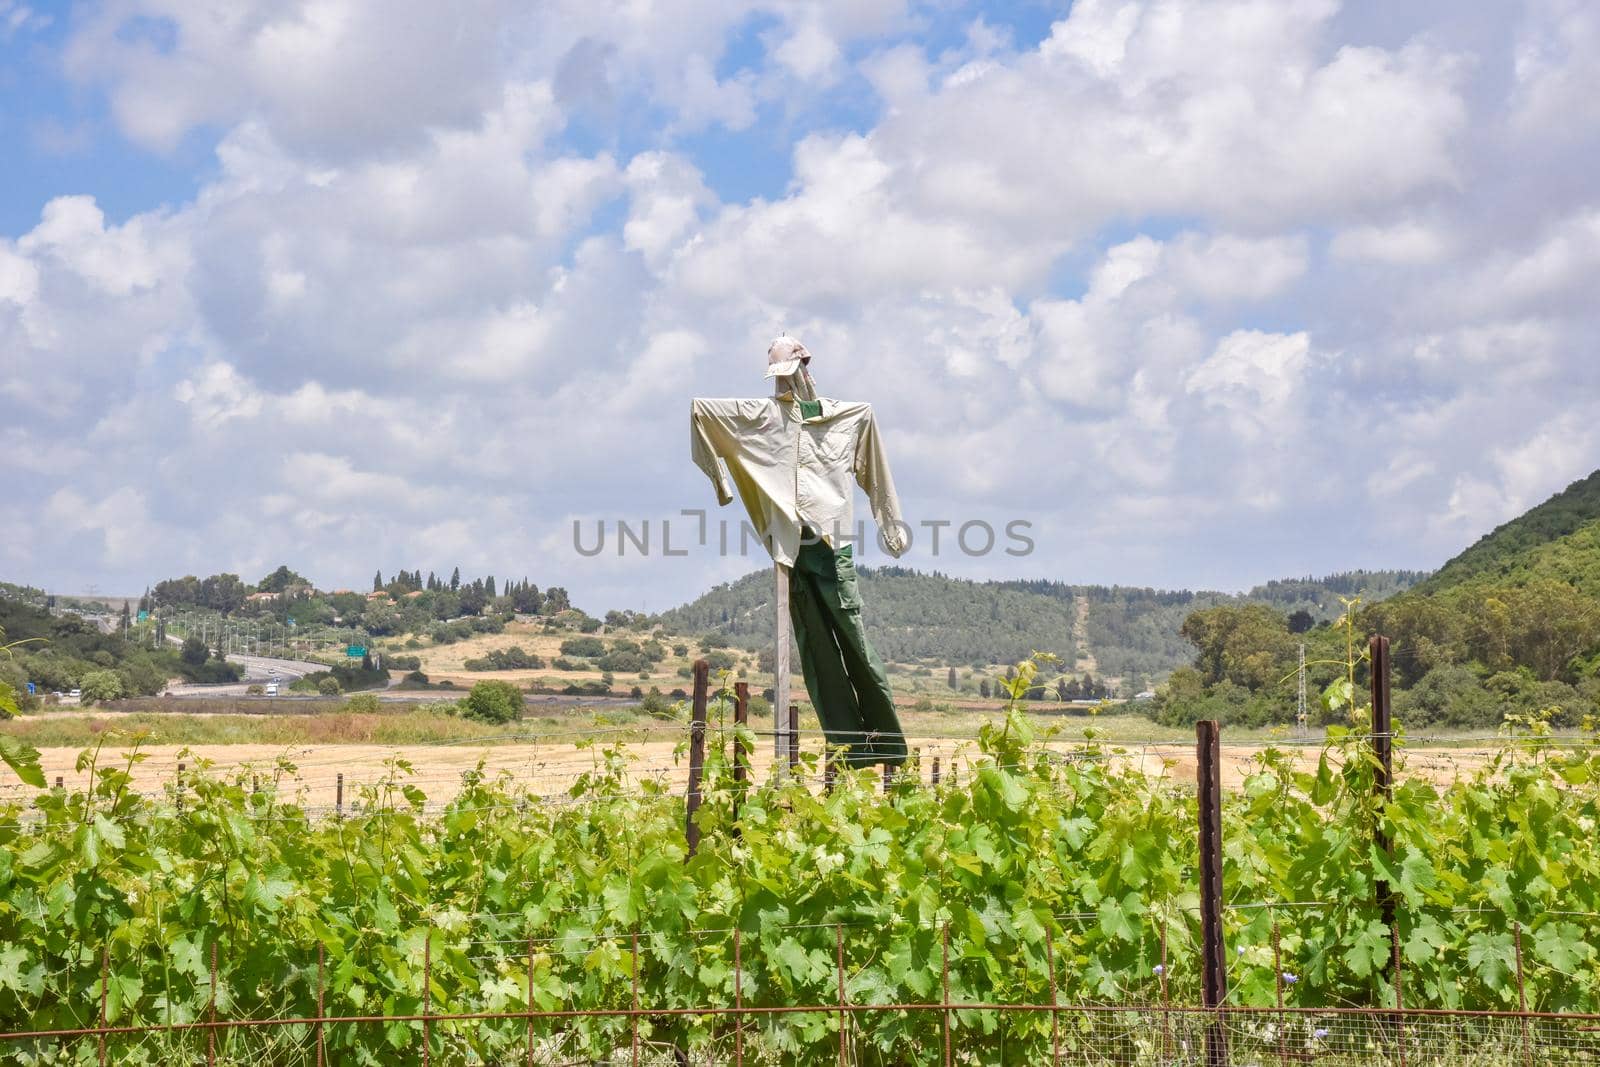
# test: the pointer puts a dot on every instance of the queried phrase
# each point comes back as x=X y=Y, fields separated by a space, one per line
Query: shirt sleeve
x=712 y=436
x=872 y=474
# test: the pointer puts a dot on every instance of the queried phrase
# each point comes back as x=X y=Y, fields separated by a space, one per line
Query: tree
x=1246 y=644
x=951 y=680
x=983 y=688
x=493 y=702
x=377 y=581
x=555 y=600
x=194 y=652
x=101 y=685
x=455 y=580
x=1300 y=621
x=280 y=580
x=329 y=686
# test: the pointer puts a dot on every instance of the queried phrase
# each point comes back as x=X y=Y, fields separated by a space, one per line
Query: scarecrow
x=792 y=458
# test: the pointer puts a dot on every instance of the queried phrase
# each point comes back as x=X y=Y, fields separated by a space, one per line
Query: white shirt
x=792 y=471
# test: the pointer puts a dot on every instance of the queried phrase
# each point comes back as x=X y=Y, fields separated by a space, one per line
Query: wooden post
x=935 y=776
x=697 y=755
x=338 y=795
x=1213 y=952
x=780 y=661
x=179 y=788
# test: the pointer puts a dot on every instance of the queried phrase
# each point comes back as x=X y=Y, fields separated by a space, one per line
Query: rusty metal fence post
x=321 y=985
x=211 y=1012
x=838 y=945
x=738 y=998
x=697 y=756
x=634 y=1019
x=794 y=737
x=944 y=984
x=427 y=998
x=1383 y=753
x=1213 y=952
x=105 y=989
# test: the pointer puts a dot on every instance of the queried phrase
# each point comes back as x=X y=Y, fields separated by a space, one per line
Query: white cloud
x=1189 y=281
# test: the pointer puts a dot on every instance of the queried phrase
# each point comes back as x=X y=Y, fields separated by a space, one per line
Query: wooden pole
x=697 y=755
x=1213 y=952
x=780 y=662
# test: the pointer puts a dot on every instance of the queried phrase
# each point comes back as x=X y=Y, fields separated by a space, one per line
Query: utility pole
x=1300 y=717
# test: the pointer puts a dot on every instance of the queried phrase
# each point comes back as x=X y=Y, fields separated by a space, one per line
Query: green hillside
x=1122 y=631
x=1535 y=543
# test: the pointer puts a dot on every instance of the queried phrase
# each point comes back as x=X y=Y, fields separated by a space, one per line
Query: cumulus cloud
x=1185 y=282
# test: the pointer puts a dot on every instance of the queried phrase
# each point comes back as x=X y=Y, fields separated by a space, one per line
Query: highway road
x=258 y=670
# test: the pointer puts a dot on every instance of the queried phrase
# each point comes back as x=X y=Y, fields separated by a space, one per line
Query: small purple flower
x=1241 y=950
x=1159 y=969
x=1290 y=978
x=1319 y=1033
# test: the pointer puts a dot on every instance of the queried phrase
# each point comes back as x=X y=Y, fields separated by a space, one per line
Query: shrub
x=657 y=706
x=720 y=660
x=362 y=704
x=493 y=702
x=623 y=660
x=329 y=687
x=101 y=685
x=680 y=650
x=587 y=647
x=255 y=690
x=563 y=664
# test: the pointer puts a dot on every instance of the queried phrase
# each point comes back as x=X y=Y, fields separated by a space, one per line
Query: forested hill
x=1124 y=632
x=1558 y=539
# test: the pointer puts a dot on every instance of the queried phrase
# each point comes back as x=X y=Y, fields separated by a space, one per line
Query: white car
x=272 y=689
x=75 y=694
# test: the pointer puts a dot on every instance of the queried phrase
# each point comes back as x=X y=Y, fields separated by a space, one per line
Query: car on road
x=272 y=689
x=75 y=694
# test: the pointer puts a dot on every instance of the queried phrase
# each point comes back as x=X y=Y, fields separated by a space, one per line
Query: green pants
x=843 y=675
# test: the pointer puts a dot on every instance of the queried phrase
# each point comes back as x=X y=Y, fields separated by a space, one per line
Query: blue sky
x=1206 y=291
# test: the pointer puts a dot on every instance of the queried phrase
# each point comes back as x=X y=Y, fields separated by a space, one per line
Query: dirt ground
x=552 y=768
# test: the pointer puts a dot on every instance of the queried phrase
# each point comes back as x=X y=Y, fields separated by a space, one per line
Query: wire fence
x=510 y=1001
